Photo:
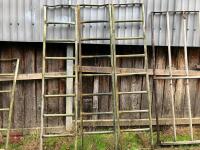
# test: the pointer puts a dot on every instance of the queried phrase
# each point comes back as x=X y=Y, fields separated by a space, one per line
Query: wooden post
x=69 y=87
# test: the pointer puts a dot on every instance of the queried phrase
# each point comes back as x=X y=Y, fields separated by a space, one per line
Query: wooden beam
x=89 y=69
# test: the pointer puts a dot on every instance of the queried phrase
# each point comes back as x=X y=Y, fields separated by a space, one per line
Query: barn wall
x=28 y=94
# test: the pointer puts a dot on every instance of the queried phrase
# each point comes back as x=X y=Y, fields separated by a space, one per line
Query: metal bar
x=93 y=5
x=58 y=115
x=173 y=12
x=96 y=113
x=134 y=92
x=43 y=78
x=170 y=71
x=133 y=111
x=187 y=74
x=94 y=39
x=12 y=98
x=128 y=4
x=59 y=58
x=147 y=76
x=115 y=97
x=98 y=132
x=59 y=95
x=56 y=6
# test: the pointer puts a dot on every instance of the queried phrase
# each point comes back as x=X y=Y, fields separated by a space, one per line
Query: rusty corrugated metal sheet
x=22 y=20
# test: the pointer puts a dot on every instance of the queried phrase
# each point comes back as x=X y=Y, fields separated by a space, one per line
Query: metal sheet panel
x=22 y=20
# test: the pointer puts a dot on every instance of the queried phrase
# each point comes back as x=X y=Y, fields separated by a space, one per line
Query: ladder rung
x=129 y=38
x=66 y=23
x=134 y=92
x=60 y=5
x=59 y=95
x=60 y=58
x=94 y=21
x=4 y=109
x=130 y=56
x=135 y=130
x=94 y=39
x=57 y=135
x=58 y=115
x=95 y=75
x=60 y=41
x=131 y=74
x=58 y=76
x=98 y=132
x=133 y=111
x=96 y=94
x=5 y=91
x=97 y=56
x=7 y=74
x=96 y=113
x=126 y=21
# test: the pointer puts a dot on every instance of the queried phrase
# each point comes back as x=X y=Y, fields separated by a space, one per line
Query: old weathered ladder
x=70 y=95
x=11 y=92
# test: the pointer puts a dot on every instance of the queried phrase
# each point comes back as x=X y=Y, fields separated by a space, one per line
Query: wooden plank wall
x=28 y=95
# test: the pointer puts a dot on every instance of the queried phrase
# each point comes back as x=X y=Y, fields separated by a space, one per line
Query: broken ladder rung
x=60 y=58
x=4 y=109
x=134 y=92
x=96 y=113
x=58 y=115
x=59 y=95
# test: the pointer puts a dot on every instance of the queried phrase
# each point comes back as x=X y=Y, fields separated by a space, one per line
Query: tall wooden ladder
x=49 y=76
x=11 y=92
x=83 y=95
x=120 y=75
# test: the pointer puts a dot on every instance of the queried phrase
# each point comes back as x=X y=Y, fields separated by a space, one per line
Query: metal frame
x=45 y=77
x=144 y=73
x=171 y=77
x=12 y=96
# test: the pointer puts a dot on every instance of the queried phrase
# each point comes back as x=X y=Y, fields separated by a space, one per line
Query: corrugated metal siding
x=22 y=20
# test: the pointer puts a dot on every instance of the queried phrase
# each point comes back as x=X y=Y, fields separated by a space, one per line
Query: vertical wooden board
x=180 y=85
x=193 y=60
x=38 y=85
x=160 y=64
x=29 y=88
x=19 y=120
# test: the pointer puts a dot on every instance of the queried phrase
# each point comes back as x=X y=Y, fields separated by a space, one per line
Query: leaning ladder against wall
x=70 y=76
x=171 y=77
x=11 y=92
